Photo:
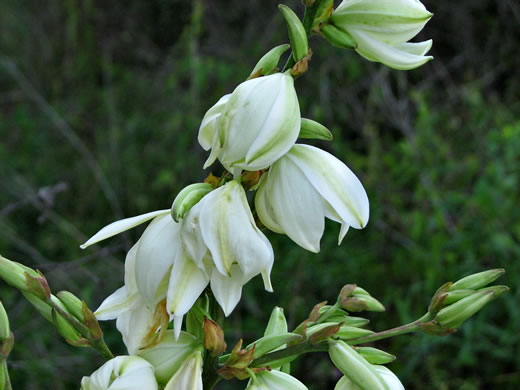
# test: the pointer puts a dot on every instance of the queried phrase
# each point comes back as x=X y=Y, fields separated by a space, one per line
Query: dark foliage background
x=100 y=104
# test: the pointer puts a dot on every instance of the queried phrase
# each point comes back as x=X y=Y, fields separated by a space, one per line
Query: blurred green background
x=100 y=104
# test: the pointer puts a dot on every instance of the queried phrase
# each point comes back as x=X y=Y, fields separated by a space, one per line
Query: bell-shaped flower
x=254 y=126
x=216 y=243
x=305 y=186
x=122 y=373
x=274 y=380
x=136 y=321
x=189 y=375
x=222 y=246
x=169 y=354
x=381 y=30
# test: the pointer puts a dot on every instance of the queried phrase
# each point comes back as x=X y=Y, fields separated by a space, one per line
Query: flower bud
x=337 y=37
x=254 y=126
x=315 y=130
x=5 y=330
x=362 y=302
x=297 y=33
x=169 y=355
x=122 y=372
x=16 y=274
x=323 y=13
x=478 y=280
x=269 y=61
x=73 y=304
x=454 y=315
x=374 y=355
x=267 y=344
x=189 y=197
x=213 y=337
x=277 y=323
x=355 y=367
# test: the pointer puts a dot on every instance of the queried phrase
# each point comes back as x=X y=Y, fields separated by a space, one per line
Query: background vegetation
x=100 y=104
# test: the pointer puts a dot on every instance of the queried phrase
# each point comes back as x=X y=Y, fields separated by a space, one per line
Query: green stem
x=293 y=350
x=98 y=344
x=403 y=329
x=210 y=378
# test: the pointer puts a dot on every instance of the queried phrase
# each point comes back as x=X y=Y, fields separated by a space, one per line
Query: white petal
x=191 y=235
x=346 y=384
x=335 y=182
x=297 y=205
x=130 y=281
x=416 y=48
x=122 y=225
x=209 y=125
x=135 y=324
x=158 y=247
x=187 y=282
x=189 y=376
x=373 y=49
x=229 y=231
x=115 y=304
x=228 y=289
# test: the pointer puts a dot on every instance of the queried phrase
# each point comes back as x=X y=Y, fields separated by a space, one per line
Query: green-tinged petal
x=168 y=355
x=416 y=48
x=375 y=50
x=122 y=225
x=158 y=247
x=228 y=289
x=263 y=205
x=391 y=380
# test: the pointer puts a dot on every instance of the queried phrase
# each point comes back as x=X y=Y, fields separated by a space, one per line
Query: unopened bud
x=315 y=312
x=375 y=356
x=339 y=315
x=478 y=280
x=323 y=12
x=277 y=323
x=72 y=303
x=337 y=37
x=297 y=34
x=314 y=130
x=354 y=366
x=5 y=330
x=267 y=344
x=362 y=302
x=454 y=315
x=214 y=337
x=269 y=61
x=435 y=329
x=322 y=332
x=70 y=334
x=14 y=273
x=347 y=291
x=187 y=198
x=498 y=290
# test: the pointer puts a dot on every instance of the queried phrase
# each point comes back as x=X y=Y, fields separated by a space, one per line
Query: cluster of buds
x=454 y=303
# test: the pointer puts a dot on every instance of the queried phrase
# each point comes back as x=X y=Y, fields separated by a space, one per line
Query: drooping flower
x=381 y=30
x=216 y=243
x=305 y=186
x=122 y=373
x=254 y=126
x=391 y=381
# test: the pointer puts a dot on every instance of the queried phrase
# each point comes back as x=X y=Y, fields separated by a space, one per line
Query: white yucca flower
x=122 y=373
x=381 y=30
x=302 y=188
x=216 y=243
x=274 y=380
x=254 y=126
